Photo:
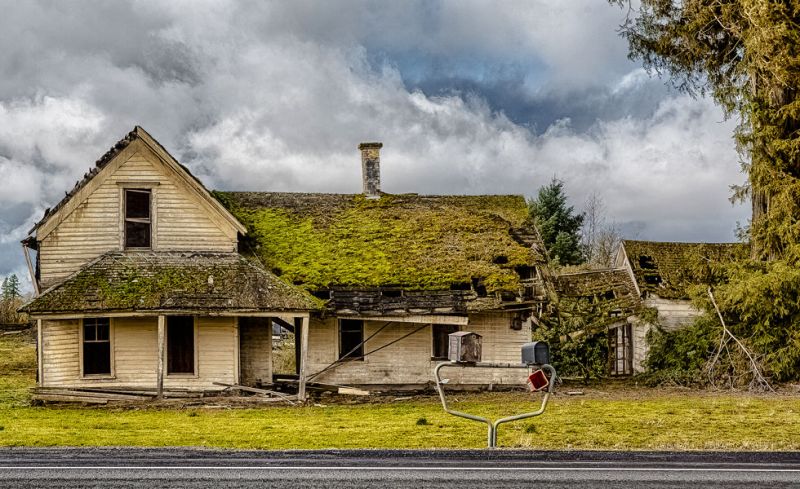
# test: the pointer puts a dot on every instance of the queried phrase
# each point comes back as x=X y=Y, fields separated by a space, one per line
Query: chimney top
x=371 y=169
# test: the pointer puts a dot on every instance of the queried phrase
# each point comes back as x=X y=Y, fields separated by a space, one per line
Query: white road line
x=418 y=469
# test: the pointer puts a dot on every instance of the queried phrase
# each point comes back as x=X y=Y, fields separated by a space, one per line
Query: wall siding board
x=409 y=361
x=94 y=227
x=135 y=345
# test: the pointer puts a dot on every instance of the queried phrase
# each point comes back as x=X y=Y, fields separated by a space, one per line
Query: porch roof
x=164 y=281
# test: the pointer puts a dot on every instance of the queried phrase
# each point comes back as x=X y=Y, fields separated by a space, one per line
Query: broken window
x=620 y=350
x=180 y=345
x=137 y=218
x=96 y=346
x=441 y=340
x=351 y=339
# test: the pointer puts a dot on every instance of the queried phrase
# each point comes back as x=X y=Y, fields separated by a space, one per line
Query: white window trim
x=112 y=343
x=153 y=188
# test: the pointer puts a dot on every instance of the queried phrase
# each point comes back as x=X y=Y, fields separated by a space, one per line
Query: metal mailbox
x=464 y=347
x=536 y=353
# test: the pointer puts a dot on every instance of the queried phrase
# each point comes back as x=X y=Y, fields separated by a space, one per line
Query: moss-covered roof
x=321 y=241
x=668 y=269
x=599 y=297
x=171 y=281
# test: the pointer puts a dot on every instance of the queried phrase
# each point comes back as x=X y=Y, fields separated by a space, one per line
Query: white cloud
x=276 y=96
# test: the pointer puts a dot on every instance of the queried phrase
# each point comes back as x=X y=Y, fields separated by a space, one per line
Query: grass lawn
x=613 y=419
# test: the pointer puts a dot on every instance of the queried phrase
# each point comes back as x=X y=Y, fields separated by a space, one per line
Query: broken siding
x=95 y=226
x=409 y=360
x=135 y=354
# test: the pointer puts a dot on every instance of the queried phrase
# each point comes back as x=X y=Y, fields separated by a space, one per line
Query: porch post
x=39 y=350
x=301 y=390
x=160 y=386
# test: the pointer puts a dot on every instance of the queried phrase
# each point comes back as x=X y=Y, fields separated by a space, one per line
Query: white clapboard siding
x=135 y=357
x=95 y=227
x=409 y=360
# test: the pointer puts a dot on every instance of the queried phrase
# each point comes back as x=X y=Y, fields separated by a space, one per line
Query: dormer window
x=137 y=218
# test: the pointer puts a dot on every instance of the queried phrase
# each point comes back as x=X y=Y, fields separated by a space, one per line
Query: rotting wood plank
x=62 y=398
x=85 y=393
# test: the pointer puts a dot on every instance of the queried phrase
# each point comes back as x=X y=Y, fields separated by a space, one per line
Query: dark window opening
x=526 y=272
x=500 y=260
x=441 y=340
x=351 y=339
x=180 y=345
x=646 y=262
x=392 y=293
x=96 y=346
x=652 y=279
x=137 y=218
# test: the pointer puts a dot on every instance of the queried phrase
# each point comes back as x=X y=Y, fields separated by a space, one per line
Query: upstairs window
x=441 y=340
x=351 y=338
x=137 y=218
x=96 y=346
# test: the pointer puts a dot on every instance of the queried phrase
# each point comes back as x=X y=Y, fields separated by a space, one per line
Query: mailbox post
x=533 y=354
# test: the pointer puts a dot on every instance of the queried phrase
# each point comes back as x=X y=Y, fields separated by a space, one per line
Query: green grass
x=617 y=419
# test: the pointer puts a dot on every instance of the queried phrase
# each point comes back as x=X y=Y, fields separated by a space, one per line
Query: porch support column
x=39 y=349
x=161 y=331
x=301 y=389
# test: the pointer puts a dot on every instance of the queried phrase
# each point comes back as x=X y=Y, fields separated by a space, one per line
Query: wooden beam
x=301 y=390
x=161 y=332
x=156 y=312
x=298 y=326
x=422 y=319
x=39 y=349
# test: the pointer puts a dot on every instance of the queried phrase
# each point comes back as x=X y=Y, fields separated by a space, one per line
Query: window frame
x=152 y=187
x=456 y=328
x=342 y=351
x=81 y=341
x=195 y=360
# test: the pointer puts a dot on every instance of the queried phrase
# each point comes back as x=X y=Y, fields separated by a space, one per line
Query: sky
x=468 y=97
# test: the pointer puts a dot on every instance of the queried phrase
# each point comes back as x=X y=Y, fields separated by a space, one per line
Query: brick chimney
x=371 y=169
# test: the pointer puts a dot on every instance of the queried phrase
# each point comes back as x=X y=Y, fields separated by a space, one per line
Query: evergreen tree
x=558 y=223
x=746 y=53
x=11 y=287
x=4 y=289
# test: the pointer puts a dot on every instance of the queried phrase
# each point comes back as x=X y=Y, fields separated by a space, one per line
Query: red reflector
x=538 y=381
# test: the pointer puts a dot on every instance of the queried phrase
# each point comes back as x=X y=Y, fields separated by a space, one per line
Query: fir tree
x=558 y=223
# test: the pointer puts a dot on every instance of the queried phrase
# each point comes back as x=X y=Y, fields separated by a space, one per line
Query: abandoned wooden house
x=598 y=301
x=147 y=280
x=662 y=273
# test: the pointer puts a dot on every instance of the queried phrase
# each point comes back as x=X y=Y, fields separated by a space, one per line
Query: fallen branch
x=758 y=379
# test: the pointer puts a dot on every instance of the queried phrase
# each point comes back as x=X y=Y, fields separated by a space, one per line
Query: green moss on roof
x=186 y=281
x=320 y=241
x=668 y=269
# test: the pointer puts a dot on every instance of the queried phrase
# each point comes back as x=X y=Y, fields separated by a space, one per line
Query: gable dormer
x=138 y=197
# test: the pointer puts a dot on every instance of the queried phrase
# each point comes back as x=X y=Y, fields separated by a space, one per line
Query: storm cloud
x=468 y=97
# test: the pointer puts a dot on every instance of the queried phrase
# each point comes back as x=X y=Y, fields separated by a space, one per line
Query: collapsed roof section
x=667 y=270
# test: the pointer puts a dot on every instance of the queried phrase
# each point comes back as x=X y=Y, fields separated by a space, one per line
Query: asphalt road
x=125 y=467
